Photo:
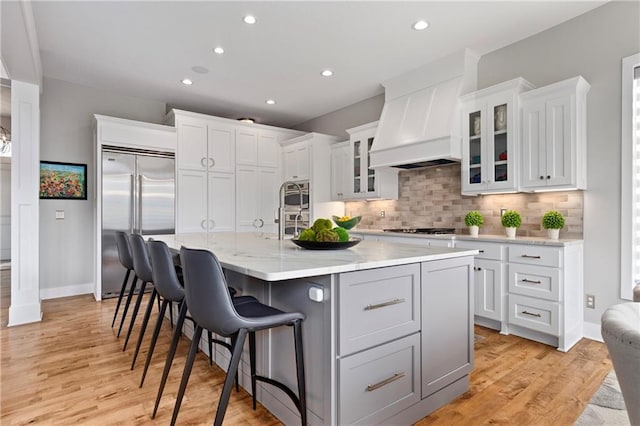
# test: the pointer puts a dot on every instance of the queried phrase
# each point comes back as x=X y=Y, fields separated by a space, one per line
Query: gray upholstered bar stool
x=142 y=266
x=126 y=260
x=212 y=309
x=621 y=334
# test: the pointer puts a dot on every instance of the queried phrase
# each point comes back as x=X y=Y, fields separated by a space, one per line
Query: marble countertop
x=484 y=238
x=267 y=258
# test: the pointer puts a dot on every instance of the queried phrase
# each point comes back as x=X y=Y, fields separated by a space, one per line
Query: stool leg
x=143 y=326
x=233 y=343
x=302 y=394
x=126 y=305
x=187 y=372
x=252 y=363
x=210 y=347
x=171 y=314
x=122 y=290
x=134 y=314
x=177 y=332
x=228 y=381
x=154 y=339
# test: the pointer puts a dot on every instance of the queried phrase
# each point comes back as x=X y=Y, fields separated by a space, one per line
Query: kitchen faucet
x=281 y=212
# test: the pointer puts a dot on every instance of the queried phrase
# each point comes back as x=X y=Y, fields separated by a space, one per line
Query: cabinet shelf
x=475 y=138
x=475 y=166
x=500 y=163
x=500 y=132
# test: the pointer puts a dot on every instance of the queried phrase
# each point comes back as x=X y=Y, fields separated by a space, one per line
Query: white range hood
x=420 y=123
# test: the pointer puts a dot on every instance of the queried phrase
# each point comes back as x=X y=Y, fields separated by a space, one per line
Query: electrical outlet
x=59 y=214
x=382 y=213
x=502 y=212
x=591 y=301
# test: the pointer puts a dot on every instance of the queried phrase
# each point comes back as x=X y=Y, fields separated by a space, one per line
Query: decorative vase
x=553 y=234
x=473 y=230
x=511 y=232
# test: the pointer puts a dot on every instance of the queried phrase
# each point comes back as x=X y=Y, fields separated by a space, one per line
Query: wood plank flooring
x=70 y=369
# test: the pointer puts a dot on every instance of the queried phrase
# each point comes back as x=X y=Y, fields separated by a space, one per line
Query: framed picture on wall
x=63 y=181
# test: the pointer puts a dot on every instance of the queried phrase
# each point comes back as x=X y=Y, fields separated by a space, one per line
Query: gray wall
x=354 y=115
x=591 y=45
x=66 y=134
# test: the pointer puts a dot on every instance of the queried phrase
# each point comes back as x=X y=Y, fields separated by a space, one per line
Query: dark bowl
x=326 y=245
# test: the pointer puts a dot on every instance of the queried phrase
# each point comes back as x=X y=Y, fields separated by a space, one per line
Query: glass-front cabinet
x=490 y=137
x=363 y=178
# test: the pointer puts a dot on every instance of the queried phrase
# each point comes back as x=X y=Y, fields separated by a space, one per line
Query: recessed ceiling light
x=200 y=70
x=420 y=25
x=219 y=50
x=249 y=19
x=270 y=102
x=247 y=120
x=327 y=73
x=187 y=82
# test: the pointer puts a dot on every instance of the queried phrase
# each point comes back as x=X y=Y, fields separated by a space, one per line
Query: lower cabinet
x=380 y=382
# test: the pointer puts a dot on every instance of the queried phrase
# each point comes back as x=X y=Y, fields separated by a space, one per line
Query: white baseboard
x=591 y=331
x=66 y=291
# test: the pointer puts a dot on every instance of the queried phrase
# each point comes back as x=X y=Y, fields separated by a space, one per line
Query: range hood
x=421 y=119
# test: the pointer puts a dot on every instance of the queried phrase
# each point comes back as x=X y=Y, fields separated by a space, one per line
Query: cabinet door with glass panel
x=490 y=138
x=363 y=180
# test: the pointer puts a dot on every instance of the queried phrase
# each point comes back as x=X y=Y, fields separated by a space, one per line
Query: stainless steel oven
x=292 y=214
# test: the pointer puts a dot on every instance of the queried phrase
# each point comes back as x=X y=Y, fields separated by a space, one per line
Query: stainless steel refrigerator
x=138 y=196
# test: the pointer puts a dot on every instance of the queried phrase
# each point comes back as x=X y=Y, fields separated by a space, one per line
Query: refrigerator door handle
x=132 y=195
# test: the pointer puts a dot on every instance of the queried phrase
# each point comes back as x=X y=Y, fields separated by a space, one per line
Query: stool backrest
x=141 y=263
x=163 y=271
x=206 y=293
x=124 y=250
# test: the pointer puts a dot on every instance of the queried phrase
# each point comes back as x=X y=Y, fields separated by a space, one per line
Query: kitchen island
x=388 y=333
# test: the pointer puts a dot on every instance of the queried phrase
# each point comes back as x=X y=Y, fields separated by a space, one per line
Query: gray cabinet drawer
x=533 y=255
x=535 y=281
x=487 y=250
x=377 y=305
x=535 y=314
x=380 y=382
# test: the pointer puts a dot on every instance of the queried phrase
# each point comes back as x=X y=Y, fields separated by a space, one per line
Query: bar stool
x=142 y=267
x=126 y=260
x=212 y=309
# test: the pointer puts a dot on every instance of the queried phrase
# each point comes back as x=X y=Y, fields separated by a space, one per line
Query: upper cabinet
x=257 y=148
x=365 y=182
x=340 y=177
x=554 y=136
x=295 y=164
x=490 y=138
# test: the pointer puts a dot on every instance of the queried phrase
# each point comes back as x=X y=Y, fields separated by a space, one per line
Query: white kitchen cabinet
x=340 y=163
x=295 y=164
x=256 y=198
x=554 y=136
x=490 y=138
x=365 y=182
x=257 y=147
x=205 y=162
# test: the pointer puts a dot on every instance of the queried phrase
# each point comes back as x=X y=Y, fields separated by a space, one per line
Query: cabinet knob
x=295 y=177
x=541 y=177
x=477 y=268
x=548 y=177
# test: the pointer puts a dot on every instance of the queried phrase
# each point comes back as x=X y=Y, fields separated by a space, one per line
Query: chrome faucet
x=281 y=212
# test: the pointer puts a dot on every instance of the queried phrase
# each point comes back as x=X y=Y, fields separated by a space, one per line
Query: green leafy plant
x=552 y=220
x=511 y=219
x=474 y=218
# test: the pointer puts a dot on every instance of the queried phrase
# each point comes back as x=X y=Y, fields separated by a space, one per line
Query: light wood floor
x=70 y=369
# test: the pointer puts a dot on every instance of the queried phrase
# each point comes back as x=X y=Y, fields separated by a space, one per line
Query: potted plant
x=553 y=221
x=511 y=220
x=474 y=220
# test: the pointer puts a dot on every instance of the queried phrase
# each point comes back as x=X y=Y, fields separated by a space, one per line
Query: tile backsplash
x=430 y=197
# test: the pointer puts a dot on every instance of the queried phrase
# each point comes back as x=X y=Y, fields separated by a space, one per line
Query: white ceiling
x=144 y=49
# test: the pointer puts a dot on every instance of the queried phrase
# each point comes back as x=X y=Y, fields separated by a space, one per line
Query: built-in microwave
x=292 y=214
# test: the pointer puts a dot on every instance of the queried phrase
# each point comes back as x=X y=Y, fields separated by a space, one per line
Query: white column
x=25 y=183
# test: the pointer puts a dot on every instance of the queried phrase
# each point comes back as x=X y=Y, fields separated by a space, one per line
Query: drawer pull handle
x=481 y=251
x=531 y=257
x=529 y=313
x=383 y=304
x=526 y=280
x=477 y=268
x=396 y=376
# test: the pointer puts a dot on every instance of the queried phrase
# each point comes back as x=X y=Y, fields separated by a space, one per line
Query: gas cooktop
x=432 y=231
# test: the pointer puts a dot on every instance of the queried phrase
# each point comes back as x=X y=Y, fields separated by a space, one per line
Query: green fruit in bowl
x=343 y=234
x=346 y=222
x=307 y=235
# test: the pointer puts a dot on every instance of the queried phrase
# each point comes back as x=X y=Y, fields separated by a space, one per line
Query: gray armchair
x=621 y=334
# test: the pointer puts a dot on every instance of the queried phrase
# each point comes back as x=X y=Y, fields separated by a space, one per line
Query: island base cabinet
x=447 y=322
x=380 y=382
